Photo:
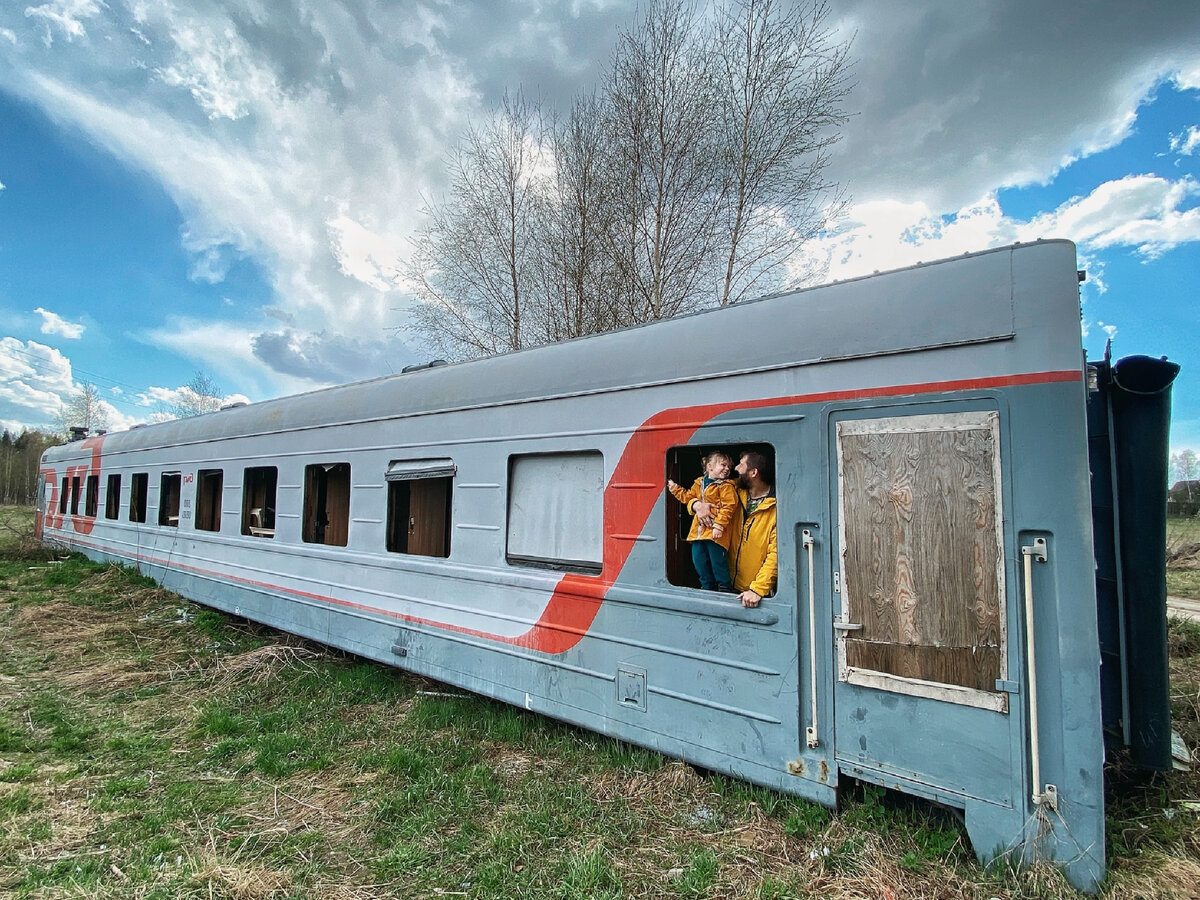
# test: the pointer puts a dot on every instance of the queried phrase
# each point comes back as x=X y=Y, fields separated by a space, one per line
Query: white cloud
x=303 y=136
x=1186 y=143
x=53 y=323
x=1188 y=78
x=1142 y=212
x=955 y=100
x=166 y=398
x=34 y=379
x=217 y=69
x=36 y=383
x=66 y=16
x=370 y=258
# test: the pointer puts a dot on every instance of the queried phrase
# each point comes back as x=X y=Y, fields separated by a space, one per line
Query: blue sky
x=224 y=186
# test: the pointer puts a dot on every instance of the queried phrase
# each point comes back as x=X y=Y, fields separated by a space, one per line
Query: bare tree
x=86 y=409
x=1185 y=467
x=200 y=395
x=576 y=278
x=660 y=107
x=690 y=179
x=783 y=80
x=470 y=268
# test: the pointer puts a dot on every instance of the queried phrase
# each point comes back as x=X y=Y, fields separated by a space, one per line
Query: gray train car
x=502 y=525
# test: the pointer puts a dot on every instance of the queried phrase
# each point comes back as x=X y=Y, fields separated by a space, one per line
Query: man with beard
x=754 y=562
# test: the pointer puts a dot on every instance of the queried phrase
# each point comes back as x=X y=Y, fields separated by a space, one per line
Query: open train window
x=258 y=501
x=138 y=486
x=90 y=495
x=327 y=504
x=684 y=466
x=75 y=495
x=112 y=497
x=209 y=484
x=556 y=511
x=419 y=506
x=168 y=499
x=64 y=496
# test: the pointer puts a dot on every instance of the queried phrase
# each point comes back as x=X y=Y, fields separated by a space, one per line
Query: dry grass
x=139 y=763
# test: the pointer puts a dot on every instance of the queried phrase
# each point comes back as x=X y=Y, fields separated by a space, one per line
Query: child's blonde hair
x=715 y=454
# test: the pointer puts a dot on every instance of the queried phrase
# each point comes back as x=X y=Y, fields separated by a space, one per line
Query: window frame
x=269 y=492
x=170 y=493
x=112 y=496
x=428 y=485
x=317 y=500
x=591 y=507
x=208 y=499
x=139 y=489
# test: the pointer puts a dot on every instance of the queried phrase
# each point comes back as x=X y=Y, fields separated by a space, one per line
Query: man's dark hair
x=756 y=460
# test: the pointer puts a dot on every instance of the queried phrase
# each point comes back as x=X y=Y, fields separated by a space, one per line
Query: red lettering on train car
x=81 y=522
x=53 y=519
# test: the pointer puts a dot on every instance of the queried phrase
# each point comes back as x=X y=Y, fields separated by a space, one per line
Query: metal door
x=921 y=638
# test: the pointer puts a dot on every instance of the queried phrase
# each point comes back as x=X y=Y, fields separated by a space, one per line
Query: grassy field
x=1183 y=557
x=150 y=748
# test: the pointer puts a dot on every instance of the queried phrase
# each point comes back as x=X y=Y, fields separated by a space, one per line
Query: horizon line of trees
x=691 y=177
x=20 y=459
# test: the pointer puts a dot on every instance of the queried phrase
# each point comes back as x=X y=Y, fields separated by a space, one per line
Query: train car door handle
x=811 y=732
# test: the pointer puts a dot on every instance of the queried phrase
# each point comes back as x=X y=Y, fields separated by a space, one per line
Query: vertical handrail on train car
x=811 y=731
x=1049 y=796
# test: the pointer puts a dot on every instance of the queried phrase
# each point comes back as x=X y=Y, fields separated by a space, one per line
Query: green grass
x=200 y=755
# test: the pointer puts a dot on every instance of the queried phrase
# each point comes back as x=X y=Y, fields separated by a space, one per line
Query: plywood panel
x=921 y=547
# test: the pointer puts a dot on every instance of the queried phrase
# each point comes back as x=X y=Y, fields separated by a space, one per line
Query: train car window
x=91 y=493
x=75 y=496
x=327 y=504
x=209 y=484
x=168 y=499
x=112 y=497
x=64 y=496
x=258 y=501
x=420 y=493
x=139 y=485
x=684 y=466
x=556 y=511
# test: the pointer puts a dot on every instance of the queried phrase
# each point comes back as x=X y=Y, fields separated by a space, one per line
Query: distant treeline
x=19 y=458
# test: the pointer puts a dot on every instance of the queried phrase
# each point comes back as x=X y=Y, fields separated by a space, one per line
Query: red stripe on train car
x=577 y=598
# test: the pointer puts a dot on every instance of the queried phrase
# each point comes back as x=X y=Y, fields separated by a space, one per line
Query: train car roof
x=905 y=309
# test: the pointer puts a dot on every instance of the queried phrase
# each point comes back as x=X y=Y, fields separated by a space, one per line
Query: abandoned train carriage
x=502 y=525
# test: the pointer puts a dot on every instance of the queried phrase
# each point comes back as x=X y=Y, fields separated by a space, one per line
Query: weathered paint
x=624 y=651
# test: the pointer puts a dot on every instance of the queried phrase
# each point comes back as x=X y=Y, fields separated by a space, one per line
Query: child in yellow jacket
x=710 y=546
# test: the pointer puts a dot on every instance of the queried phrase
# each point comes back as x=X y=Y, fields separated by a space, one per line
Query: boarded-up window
x=258 y=501
x=112 y=497
x=921 y=550
x=556 y=511
x=138 y=488
x=420 y=495
x=168 y=499
x=91 y=495
x=209 y=484
x=327 y=503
